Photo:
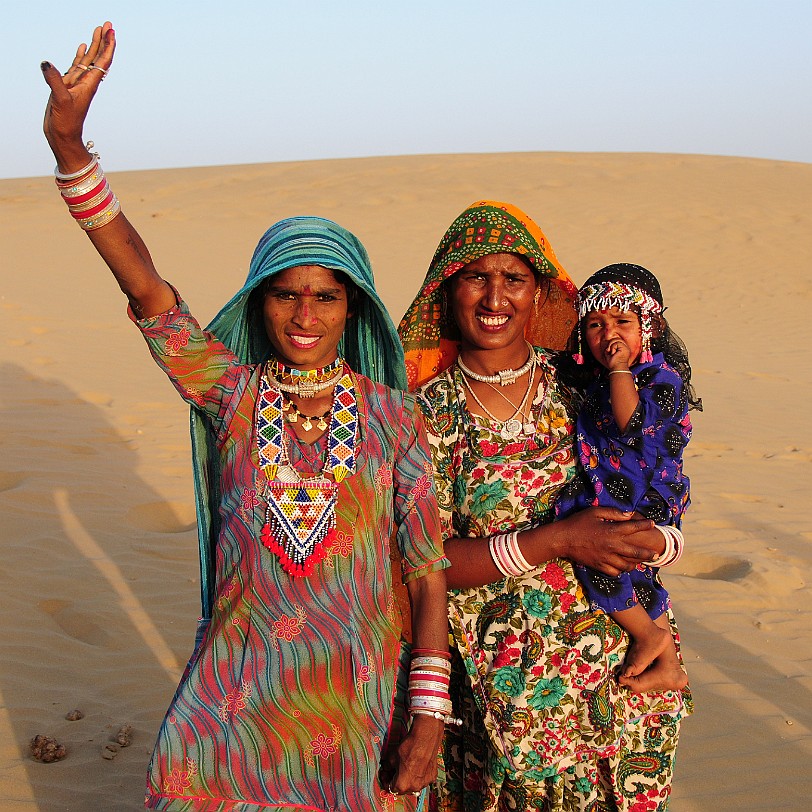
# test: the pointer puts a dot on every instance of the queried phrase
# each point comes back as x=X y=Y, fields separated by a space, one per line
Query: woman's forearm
x=429 y=603
x=117 y=242
x=602 y=538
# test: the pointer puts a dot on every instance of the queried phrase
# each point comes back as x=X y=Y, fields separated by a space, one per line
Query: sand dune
x=99 y=591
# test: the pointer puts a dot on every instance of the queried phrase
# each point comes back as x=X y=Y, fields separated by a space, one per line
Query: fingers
x=90 y=64
x=54 y=80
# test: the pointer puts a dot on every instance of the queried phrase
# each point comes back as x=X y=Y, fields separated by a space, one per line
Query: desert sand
x=99 y=584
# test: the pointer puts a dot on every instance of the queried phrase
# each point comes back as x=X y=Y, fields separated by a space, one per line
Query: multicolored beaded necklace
x=300 y=517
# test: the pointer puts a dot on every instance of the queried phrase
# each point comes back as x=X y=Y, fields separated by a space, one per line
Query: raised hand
x=71 y=95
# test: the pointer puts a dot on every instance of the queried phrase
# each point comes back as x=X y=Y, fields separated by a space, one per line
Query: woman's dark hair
x=663 y=340
x=258 y=345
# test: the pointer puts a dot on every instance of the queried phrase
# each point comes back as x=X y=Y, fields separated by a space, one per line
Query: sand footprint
x=74 y=623
x=714 y=567
x=11 y=479
x=163 y=517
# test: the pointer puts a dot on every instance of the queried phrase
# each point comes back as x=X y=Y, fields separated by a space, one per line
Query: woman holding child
x=534 y=667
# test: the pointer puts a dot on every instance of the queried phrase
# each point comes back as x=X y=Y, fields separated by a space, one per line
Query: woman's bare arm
x=417 y=754
x=602 y=538
x=117 y=242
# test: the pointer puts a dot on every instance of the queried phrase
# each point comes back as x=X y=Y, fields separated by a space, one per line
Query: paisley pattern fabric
x=546 y=725
x=636 y=469
x=287 y=700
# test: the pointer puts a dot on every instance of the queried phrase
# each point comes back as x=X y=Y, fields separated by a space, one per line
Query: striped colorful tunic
x=287 y=700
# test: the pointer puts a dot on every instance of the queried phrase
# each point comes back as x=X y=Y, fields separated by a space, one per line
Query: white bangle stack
x=429 y=678
x=506 y=554
x=674 y=545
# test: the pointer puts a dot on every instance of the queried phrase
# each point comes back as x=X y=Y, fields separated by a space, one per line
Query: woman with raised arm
x=307 y=464
x=546 y=725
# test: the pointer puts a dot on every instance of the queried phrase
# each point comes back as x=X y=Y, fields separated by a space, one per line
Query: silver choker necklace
x=305 y=387
x=504 y=377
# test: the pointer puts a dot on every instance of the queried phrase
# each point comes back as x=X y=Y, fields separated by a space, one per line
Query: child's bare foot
x=646 y=645
x=664 y=674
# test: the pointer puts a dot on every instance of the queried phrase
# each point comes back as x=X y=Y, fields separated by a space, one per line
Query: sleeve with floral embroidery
x=416 y=512
x=203 y=370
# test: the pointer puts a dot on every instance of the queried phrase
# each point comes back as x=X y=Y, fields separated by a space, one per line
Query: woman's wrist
x=70 y=154
x=543 y=543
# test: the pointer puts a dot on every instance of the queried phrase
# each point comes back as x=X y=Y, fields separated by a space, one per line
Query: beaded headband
x=605 y=294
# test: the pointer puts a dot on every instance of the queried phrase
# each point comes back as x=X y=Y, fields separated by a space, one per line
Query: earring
x=578 y=356
x=537 y=296
x=645 y=338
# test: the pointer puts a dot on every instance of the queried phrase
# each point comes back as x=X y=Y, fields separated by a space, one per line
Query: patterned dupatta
x=429 y=336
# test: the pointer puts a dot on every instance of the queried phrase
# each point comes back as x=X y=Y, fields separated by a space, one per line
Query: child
x=631 y=430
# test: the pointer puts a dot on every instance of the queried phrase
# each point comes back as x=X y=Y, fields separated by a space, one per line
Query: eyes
x=600 y=324
x=479 y=279
x=289 y=296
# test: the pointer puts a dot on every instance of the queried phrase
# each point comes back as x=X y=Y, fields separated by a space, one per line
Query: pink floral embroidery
x=322 y=746
x=249 y=499
x=178 y=339
x=288 y=627
x=234 y=702
x=365 y=673
x=179 y=780
x=227 y=590
x=420 y=488
x=383 y=479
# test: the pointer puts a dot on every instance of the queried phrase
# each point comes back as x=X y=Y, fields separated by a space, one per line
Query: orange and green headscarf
x=429 y=336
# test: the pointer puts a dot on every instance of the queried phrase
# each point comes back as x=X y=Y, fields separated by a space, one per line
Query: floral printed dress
x=546 y=725
x=286 y=702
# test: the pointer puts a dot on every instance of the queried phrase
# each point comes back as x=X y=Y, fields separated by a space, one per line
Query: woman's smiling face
x=491 y=299
x=304 y=313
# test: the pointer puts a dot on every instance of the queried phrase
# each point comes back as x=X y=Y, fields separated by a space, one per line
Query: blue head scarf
x=370 y=345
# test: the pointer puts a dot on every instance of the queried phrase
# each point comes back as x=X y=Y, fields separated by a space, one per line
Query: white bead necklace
x=504 y=377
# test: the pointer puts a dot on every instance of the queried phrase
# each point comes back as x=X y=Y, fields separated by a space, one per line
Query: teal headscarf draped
x=370 y=346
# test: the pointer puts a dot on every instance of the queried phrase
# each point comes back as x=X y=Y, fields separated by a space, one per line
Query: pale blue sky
x=242 y=82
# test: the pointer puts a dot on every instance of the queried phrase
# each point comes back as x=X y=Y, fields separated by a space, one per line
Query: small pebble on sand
x=47 y=749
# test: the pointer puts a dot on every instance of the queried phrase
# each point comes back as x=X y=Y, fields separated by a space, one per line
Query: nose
x=304 y=315
x=494 y=298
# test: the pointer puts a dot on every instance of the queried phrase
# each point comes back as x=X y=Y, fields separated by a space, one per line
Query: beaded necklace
x=300 y=515
x=305 y=383
x=504 y=377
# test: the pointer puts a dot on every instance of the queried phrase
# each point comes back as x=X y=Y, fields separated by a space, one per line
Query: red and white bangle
x=674 y=545
x=429 y=677
x=506 y=554
x=90 y=200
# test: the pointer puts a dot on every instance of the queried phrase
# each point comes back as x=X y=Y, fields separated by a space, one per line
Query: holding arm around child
x=630 y=449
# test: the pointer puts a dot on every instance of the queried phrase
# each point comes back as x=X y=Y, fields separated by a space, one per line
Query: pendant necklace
x=300 y=516
x=292 y=415
x=513 y=426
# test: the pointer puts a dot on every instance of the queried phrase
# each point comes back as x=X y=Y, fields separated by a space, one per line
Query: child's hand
x=618 y=355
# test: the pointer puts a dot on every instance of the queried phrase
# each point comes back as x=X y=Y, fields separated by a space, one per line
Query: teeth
x=308 y=340
x=493 y=321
